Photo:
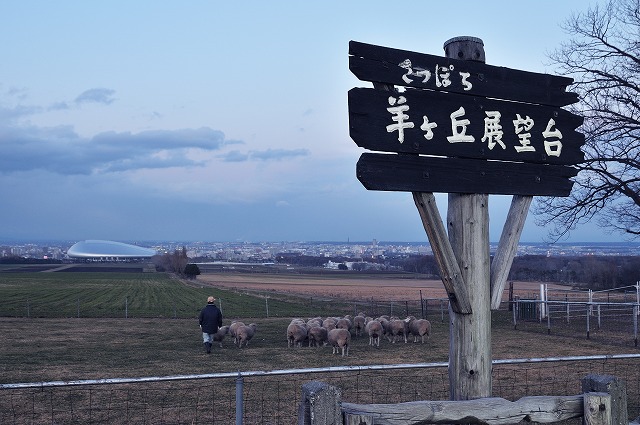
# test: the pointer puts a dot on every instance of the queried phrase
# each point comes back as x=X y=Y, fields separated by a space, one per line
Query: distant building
x=95 y=250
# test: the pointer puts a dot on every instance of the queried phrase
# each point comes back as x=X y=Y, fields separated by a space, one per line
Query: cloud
x=97 y=95
x=61 y=150
x=278 y=154
x=234 y=156
x=264 y=155
x=59 y=106
x=10 y=115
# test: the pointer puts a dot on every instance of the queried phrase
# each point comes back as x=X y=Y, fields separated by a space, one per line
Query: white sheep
x=245 y=333
x=384 y=321
x=317 y=336
x=358 y=324
x=419 y=328
x=375 y=331
x=232 y=329
x=219 y=336
x=296 y=334
x=316 y=321
x=339 y=338
x=396 y=328
x=344 y=323
x=329 y=323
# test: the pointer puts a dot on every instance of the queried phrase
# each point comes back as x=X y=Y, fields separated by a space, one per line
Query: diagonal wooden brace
x=508 y=246
x=449 y=269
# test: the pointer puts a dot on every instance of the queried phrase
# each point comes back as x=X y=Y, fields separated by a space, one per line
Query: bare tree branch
x=603 y=57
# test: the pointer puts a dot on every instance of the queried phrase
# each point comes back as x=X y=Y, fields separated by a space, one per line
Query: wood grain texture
x=490 y=411
x=449 y=269
x=374 y=63
x=412 y=173
x=371 y=126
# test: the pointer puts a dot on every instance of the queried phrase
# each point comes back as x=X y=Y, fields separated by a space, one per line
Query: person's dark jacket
x=210 y=319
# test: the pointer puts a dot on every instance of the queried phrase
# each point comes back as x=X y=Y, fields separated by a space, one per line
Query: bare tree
x=603 y=57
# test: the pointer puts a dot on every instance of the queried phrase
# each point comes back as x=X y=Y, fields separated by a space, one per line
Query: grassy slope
x=53 y=345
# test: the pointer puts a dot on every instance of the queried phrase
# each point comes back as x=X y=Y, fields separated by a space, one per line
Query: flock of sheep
x=337 y=331
x=240 y=333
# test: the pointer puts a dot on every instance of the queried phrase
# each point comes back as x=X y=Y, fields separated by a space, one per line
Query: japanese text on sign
x=442 y=77
x=493 y=128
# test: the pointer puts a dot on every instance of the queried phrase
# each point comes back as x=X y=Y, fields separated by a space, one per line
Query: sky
x=222 y=121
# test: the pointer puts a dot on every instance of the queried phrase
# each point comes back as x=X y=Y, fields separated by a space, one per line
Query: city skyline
x=211 y=121
x=266 y=251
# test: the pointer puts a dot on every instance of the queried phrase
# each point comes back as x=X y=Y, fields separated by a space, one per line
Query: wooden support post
x=450 y=272
x=470 y=334
x=508 y=246
x=320 y=404
x=613 y=386
x=468 y=225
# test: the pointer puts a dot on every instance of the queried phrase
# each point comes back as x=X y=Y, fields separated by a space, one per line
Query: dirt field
x=350 y=286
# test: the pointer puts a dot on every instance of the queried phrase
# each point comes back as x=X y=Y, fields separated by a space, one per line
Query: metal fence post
x=239 y=399
x=588 y=316
x=599 y=317
x=635 y=325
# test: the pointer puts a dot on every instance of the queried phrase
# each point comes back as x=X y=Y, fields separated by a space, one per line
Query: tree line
x=590 y=271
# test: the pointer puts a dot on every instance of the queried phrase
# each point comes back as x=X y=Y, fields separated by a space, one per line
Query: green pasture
x=117 y=295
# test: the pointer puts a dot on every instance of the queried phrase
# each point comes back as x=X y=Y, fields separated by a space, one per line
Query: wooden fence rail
x=604 y=402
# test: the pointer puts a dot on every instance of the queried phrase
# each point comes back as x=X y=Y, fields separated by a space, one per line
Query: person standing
x=210 y=320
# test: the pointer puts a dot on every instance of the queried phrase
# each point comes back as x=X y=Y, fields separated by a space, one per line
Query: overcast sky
x=221 y=121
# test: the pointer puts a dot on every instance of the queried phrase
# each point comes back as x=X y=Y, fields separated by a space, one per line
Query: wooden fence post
x=614 y=387
x=320 y=404
x=597 y=409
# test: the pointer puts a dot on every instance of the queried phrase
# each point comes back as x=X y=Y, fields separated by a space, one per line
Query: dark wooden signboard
x=449 y=124
x=380 y=64
x=413 y=173
x=504 y=128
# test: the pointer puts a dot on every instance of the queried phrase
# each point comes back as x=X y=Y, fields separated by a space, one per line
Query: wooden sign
x=380 y=64
x=449 y=124
x=413 y=173
x=468 y=127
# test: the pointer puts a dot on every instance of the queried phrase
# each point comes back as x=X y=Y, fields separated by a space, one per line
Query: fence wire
x=271 y=399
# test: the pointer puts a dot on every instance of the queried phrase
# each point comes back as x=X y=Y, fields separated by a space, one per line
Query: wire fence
x=274 y=397
x=614 y=312
x=128 y=307
x=280 y=306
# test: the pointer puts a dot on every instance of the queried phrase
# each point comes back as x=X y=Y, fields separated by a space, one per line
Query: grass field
x=83 y=325
x=53 y=344
x=130 y=295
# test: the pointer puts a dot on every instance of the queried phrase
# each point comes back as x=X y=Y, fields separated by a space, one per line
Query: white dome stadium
x=108 y=250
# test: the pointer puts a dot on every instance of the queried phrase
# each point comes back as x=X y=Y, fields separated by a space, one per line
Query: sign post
x=454 y=124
